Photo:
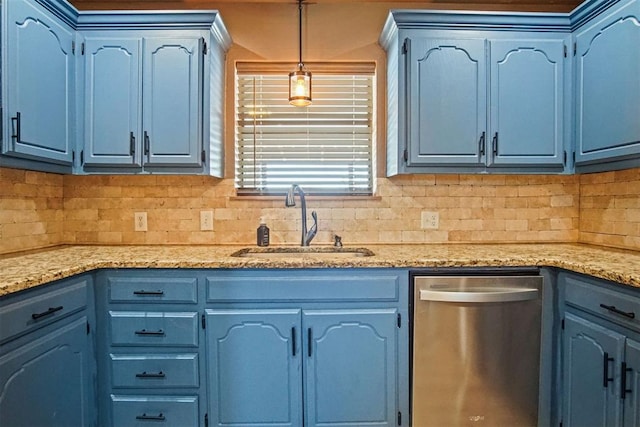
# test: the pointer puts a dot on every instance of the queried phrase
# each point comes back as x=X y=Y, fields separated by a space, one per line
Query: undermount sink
x=302 y=252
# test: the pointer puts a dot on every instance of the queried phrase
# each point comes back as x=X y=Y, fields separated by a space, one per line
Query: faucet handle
x=313 y=230
x=337 y=241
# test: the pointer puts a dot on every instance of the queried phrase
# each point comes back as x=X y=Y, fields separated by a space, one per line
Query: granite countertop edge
x=27 y=270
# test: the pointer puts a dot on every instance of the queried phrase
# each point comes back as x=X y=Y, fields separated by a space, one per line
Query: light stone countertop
x=27 y=270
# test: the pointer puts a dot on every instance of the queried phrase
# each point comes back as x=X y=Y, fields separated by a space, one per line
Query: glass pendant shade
x=300 y=87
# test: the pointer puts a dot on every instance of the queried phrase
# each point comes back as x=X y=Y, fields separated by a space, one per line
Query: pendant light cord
x=300 y=32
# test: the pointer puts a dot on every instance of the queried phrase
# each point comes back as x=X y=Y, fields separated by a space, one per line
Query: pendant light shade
x=300 y=79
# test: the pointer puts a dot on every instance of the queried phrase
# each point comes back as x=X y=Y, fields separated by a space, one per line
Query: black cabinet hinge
x=575 y=48
x=562 y=326
x=565 y=50
x=206 y=420
x=203 y=156
x=73 y=48
x=204 y=47
x=88 y=328
x=399 y=418
x=573 y=155
x=399 y=320
x=564 y=159
x=405 y=46
x=82 y=49
x=73 y=156
x=81 y=157
x=405 y=155
x=203 y=320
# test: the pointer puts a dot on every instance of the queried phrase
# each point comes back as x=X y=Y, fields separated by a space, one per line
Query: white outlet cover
x=430 y=220
x=206 y=220
x=140 y=221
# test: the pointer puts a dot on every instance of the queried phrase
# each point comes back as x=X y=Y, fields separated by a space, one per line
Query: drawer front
x=140 y=328
x=619 y=307
x=31 y=313
x=168 y=411
x=303 y=286
x=153 y=290
x=154 y=370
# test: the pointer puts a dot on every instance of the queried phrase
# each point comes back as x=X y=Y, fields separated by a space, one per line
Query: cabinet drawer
x=303 y=286
x=154 y=370
x=168 y=411
x=154 y=328
x=33 y=312
x=619 y=307
x=153 y=290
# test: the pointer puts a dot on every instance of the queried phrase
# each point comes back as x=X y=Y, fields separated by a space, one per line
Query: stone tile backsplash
x=39 y=210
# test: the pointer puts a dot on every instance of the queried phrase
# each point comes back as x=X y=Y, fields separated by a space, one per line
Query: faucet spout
x=307 y=235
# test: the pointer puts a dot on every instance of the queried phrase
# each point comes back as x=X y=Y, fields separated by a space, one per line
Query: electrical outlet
x=206 y=220
x=430 y=220
x=140 y=219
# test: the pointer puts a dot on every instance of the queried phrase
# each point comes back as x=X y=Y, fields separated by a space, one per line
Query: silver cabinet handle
x=486 y=295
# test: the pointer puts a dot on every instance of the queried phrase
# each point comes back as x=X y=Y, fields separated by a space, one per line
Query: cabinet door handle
x=309 y=341
x=613 y=309
x=151 y=375
x=49 y=311
x=494 y=143
x=293 y=341
x=146 y=417
x=16 y=132
x=132 y=144
x=605 y=371
x=146 y=143
x=158 y=333
x=623 y=381
x=482 y=143
x=148 y=293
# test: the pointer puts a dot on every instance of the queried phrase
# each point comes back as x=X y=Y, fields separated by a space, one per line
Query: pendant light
x=300 y=79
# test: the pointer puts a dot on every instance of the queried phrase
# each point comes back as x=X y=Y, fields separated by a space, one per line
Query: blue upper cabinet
x=113 y=104
x=493 y=98
x=147 y=93
x=608 y=89
x=172 y=91
x=446 y=101
x=527 y=103
x=40 y=77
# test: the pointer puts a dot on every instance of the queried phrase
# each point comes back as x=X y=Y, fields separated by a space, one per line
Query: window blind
x=326 y=148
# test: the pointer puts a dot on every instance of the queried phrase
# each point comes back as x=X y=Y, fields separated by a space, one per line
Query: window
x=326 y=148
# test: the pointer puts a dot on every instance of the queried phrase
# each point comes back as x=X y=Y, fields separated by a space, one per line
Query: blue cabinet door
x=172 y=93
x=45 y=383
x=592 y=358
x=40 y=76
x=350 y=367
x=113 y=100
x=446 y=102
x=608 y=86
x=255 y=375
x=527 y=102
x=631 y=371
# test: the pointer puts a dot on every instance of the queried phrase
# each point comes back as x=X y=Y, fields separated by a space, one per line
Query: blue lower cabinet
x=45 y=382
x=350 y=367
x=631 y=372
x=168 y=411
x=255 y=376
x=591 y=354
x=154 y=370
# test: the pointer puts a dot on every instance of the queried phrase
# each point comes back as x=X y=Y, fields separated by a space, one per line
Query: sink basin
x=302 y=252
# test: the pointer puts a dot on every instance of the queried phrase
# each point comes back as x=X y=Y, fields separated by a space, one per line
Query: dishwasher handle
x=505 y=294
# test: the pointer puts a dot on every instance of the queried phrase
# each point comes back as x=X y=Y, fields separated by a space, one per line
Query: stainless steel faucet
x=307 y=235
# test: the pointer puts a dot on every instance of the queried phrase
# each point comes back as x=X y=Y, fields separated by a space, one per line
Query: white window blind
x=325 y=148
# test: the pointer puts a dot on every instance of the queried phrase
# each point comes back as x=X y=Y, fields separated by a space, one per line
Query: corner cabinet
x=38 y=74
x=494 y=98
x=601 y=353
x=608 y=89
x=149 y=95
x=46 y=356
x=299 y=347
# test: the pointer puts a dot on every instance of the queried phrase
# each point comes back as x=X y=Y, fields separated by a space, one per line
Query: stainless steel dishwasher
x=476 y=350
